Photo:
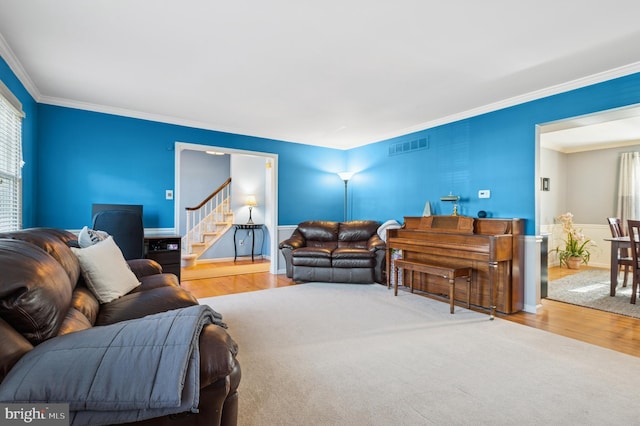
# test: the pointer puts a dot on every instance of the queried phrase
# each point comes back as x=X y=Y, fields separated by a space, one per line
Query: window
x=10 y=161
x=628 y=187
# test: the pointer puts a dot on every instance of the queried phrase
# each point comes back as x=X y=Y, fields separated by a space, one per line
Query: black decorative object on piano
x=493 y=248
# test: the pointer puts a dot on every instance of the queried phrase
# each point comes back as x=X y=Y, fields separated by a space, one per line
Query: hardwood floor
x=615 y=332
x=208 y=287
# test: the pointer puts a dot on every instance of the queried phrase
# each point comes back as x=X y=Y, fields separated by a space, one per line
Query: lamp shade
x=251 y=201
x=346 y=175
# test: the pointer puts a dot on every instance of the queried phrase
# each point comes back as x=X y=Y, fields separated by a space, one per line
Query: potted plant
x=576 y=244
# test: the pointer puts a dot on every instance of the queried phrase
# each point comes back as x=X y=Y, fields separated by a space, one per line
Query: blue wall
x=494 y=151
x=29 y=148
x=87 y=157
x=76 y=158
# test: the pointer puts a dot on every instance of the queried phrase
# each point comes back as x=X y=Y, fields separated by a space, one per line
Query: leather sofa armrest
x=144 y=267
x=138 y=304
x=12 y=347
x=379 y=248
x=296 y=240
x=217 y=354
x=376 y=243
x=218 y=397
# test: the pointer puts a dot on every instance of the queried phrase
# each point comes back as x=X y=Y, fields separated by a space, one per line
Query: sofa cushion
x=74 y=321
x=53 y=241
x=105 y=270
x=35 y=291
x=319 y=252
x=311 y=256
x=353 y=263
x=352 y=258
x=352 y=253
x=311 y=261
x=84 y=301
x=319 y=232
x=357 y=233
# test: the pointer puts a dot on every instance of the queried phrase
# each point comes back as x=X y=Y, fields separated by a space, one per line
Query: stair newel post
x=189 y=232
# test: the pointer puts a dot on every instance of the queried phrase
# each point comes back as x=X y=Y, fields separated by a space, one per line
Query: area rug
x=348 y=354
x=591 y=288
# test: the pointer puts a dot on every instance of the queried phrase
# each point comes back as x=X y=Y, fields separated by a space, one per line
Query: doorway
x=269 y=209
x=578 y=159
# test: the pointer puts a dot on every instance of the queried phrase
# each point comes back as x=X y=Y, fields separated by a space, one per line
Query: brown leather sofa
x=56 y=303
x=343 y=252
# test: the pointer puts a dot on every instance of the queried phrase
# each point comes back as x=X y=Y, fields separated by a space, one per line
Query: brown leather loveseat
x=43 y=297
x=343 y=252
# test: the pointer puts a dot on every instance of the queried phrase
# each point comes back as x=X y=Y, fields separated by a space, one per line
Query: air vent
x=408 y=146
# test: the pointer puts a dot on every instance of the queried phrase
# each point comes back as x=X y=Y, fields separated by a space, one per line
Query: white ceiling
x=335 y=73
x=611 y=128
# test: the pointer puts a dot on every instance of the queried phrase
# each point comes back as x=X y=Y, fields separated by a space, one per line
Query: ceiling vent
x=408 y=146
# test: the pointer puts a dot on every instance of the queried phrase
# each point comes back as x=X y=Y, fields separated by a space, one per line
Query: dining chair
x=624 y=258
x=634 y=238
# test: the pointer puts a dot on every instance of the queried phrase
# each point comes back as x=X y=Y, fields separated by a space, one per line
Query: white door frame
x=271 y=202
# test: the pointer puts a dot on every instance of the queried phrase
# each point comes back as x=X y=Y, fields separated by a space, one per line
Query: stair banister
x=212 y=209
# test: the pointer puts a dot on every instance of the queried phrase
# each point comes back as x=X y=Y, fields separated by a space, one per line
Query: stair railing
x=203 y=217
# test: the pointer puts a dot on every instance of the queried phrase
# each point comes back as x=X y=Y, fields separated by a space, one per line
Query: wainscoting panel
x=600 y=253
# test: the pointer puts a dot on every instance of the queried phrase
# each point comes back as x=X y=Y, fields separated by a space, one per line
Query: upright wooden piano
x=493 y=248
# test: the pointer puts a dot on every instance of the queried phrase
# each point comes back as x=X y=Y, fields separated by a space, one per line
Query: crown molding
x=520 y=99
x=25 y=79
x=124 y=112
x=7 y=54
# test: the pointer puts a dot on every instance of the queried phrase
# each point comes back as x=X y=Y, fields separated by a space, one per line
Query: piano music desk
x=450 y=273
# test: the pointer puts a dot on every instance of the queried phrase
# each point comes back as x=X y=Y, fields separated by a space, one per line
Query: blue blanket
x=124 y=372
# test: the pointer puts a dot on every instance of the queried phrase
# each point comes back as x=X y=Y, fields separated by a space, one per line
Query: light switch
x=484 y=193
x=169 y=194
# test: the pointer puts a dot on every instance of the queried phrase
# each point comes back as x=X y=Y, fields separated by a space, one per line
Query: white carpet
x=340 y=354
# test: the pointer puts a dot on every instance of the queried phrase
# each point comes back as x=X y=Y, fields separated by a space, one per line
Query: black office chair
x=125 y=226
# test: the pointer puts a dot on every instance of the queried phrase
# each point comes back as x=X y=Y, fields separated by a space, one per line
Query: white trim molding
x=532 y=273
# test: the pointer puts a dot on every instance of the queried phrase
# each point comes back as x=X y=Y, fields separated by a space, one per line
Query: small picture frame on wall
x=545 y=184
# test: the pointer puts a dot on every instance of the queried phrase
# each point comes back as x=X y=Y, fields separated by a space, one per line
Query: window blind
x=10 y=161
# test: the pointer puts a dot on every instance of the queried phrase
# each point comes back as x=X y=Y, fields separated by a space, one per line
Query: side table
x=252 y=229
x=165 y=250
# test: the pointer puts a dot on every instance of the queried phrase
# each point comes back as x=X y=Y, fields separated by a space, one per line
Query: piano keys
x=492 y=248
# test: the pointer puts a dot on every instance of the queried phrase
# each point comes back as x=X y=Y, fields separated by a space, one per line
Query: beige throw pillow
x=105 y=270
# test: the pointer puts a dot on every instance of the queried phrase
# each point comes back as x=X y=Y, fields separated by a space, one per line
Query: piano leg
x=493 y=290
x=395 y=280
x=452 y=289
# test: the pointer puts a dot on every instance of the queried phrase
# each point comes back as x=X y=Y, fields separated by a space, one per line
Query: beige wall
x=583 y=183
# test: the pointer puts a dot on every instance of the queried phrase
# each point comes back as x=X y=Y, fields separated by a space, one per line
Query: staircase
x=207 y=223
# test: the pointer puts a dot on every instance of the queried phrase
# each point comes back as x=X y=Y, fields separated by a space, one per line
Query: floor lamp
x=345 y=176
